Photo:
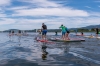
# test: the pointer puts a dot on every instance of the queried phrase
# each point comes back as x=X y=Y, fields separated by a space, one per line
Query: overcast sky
x=30 y=14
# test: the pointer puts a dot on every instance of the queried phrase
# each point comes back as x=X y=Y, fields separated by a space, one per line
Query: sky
x=30 y=14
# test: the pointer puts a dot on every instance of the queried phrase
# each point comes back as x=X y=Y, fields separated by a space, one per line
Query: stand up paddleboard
x=42 y=40
x=46 y=41
x=71 y=40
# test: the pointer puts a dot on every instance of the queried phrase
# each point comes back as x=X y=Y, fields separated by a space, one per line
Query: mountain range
x=54 y=30
x=87 y=27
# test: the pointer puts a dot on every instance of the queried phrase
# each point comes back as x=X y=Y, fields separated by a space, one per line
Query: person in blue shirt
x=63 y=31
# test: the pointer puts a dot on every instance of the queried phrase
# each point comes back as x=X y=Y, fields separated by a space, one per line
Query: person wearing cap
x=63 y=31
x=44 y=31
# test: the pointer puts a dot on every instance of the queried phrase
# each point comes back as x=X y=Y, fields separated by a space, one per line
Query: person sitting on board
x=38 y=37
x=39 y=31
x=44 y=31
x=91 y=36
x=63 y=31
x=67 y=34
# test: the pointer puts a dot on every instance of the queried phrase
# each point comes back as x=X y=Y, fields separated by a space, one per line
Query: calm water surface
x=28 y=52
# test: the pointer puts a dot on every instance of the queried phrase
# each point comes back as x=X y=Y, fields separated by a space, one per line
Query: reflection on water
x=44 y=52
x=25 y=51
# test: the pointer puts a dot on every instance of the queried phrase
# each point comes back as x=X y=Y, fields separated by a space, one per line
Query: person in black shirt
x=44 y=31
x=97 y=32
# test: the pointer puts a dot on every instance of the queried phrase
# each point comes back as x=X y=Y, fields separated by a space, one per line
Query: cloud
x=95 y=14
x=87 y=6
x=2 y=15
x=5 y=2
x=97 y=1
x=41 y=3
x=50 y=12
x=54 y=23
x=47 y=8
x=4 y=21
x=17 y=8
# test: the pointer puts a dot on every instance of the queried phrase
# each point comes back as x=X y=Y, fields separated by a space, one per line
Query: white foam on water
x=85 y=58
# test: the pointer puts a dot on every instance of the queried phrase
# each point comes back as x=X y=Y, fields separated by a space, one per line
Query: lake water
x=28 y=52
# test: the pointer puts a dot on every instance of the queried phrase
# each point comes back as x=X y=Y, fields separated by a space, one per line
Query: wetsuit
x=56 y=33
x=44 y=30
x=97 y=31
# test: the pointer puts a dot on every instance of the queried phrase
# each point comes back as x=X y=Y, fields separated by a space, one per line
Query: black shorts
x=68 y=32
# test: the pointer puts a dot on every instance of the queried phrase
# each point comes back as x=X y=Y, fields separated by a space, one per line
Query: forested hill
x=87 y=28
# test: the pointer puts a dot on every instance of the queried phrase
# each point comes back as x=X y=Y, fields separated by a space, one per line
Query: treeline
x=83 y=30
x=71 y=30
x=54 y=30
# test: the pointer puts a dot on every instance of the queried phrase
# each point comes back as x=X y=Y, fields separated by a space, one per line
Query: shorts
x=44 y=32
x=63 y=33
x=68 y=32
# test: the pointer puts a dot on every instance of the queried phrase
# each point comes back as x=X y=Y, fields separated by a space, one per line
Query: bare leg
x=42 y=37
x=63 y=37
x=67 y=37
x=45 y=37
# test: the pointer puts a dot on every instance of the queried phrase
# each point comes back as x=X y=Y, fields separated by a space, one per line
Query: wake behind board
x=71 y=40
x=92 y=37
x=79 y=35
